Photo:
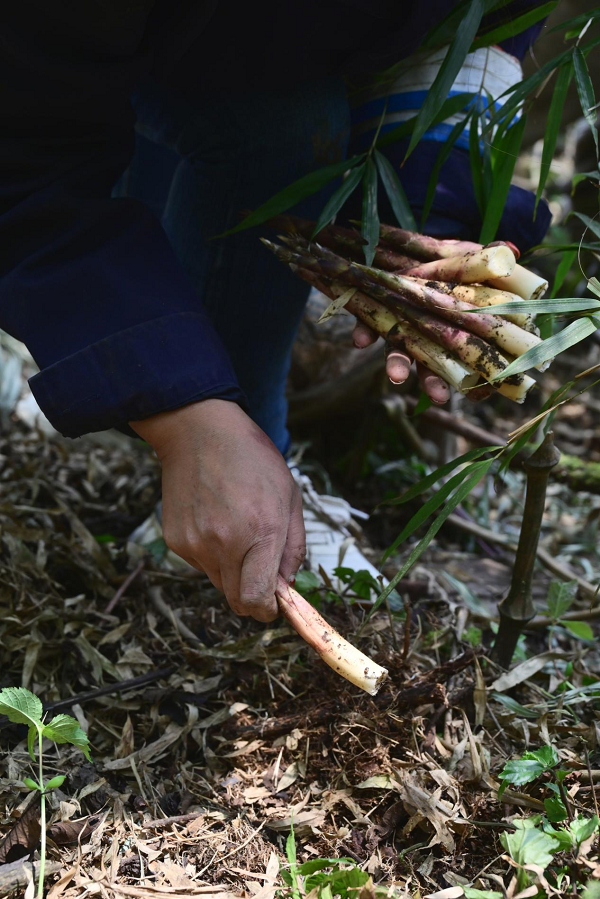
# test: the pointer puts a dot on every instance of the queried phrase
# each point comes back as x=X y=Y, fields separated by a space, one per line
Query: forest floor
x=212 y=736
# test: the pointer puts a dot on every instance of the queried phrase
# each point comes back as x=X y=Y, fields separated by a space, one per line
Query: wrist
x=168 y=429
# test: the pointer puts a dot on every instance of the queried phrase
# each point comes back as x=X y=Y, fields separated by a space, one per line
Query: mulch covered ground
x=210 y=735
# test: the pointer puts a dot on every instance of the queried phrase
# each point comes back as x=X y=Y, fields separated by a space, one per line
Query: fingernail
x=292 y=580
x=395 y=382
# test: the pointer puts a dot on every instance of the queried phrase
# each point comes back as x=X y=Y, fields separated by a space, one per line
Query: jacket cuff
x=151 y=367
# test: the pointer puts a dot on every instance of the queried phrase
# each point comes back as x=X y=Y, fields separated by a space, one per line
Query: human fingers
x=397 y=365
x=363 y=336
x=436 y=389
x=295 y=546
x=260 y=569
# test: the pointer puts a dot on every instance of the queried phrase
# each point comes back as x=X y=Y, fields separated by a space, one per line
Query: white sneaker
x=331 y=533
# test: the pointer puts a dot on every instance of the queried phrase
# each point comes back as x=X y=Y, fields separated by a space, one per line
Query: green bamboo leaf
x=449 y=69
x=335 y=203
x=562 y=270
x=574 y=304
x=585 y=90
x=457 y=497
x=442 y=156
x=441 y=472
x=515 y=26
x=475 y=161
x=592 y=223
x=432 y=505
x=370 y=217
x=548 y=349
x=553 y=120
x=443 y=32
x=505 y=153
x=450 y=107
x=395 y=192
x=576 y=21
x=294 y=193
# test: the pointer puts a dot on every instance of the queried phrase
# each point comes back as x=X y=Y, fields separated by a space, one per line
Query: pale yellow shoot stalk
x=338 y=653
x=521 y=281
x=516 y=392
x=387 y=324
x=480 y=295
x=483 y=265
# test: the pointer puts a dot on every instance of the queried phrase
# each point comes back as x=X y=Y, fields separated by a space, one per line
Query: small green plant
x=23 y=707
x=560 y=598
x=324 y=878
x=533 y=765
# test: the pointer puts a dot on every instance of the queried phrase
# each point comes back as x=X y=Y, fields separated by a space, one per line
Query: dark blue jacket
x=88 y=282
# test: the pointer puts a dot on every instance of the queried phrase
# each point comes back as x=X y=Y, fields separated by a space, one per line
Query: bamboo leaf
x=475 y=161
x=449 y=69
x=395 y=192
x=506 y=153
x=432 y=505
x=335 y=203
x=548 y=349
x=457 y=497
x=553 y=120
x=294 y=193
x=442 y=156
x=443 y=32
x=576 y=21
x=591 y=223
x=585 y=89
x=571 y=304
x=515 y=26
x=562 y=270
x=450 y=107
x=370 y=217
x=441 y=472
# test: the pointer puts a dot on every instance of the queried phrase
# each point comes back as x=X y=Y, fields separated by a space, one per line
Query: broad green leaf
x=505 y=152
x=582 y=828
x=434 y=503
x=442 y=156
x=562 y=270
x=585 y=90
x=555 y=809
x=370 y=217
x=449 y=69
x=457 y=497
x=515 y=26
x=294 y=193
x=306 y=582
x=563 y=836
x=574 y=304
x=441 y=472
x=579 y=629
x=450 y=107
x=317 y=864
x=592 y=224
x=553 y=120
x=521 y=771
x=528 y=845
x=546 y=756
x=335 y=203
x=32 y=784
x=21 y=706
x=64 y=729
x=592 y=890
x=395 y=192
x=55 y=782
x=553 y=346
x=560 y=597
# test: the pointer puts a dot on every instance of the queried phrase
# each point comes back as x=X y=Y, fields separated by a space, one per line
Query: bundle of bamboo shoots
x=421 y=294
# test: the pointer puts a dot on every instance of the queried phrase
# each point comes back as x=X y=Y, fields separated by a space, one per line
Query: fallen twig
x=126 y=583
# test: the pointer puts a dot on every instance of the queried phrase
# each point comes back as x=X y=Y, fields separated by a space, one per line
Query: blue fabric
x=223 y=157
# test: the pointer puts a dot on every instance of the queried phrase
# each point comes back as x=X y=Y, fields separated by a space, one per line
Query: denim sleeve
x=88 y=282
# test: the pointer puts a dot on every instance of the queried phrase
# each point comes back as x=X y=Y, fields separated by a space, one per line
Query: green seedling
x=531 y=766
x=322 y=878
x=23 y=707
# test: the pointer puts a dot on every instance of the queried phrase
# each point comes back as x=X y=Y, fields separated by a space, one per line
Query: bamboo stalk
x=482 y=265
x=387 y=324
x=335 y=651
x=480 y=295
x=423 y=247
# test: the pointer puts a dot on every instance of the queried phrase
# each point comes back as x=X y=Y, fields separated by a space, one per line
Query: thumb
x=259 y=579
x=294 y=551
